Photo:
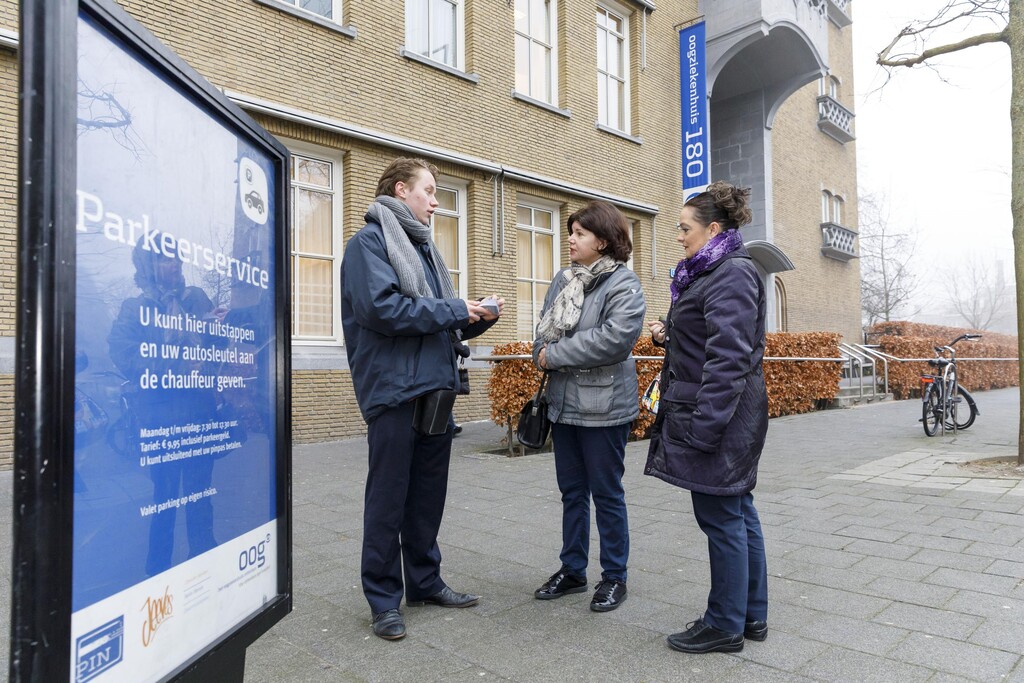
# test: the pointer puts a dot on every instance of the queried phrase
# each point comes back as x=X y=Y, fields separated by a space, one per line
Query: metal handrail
x=875 y=353
x=958 y=360
x=526 y=356
x=858 y=360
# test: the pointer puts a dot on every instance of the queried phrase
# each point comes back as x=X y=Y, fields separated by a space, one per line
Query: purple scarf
x=689 y=268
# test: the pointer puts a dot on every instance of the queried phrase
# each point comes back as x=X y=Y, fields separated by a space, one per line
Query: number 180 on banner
x=696 y=140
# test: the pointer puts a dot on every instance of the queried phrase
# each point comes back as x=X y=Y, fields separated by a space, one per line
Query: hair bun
x=734 y=201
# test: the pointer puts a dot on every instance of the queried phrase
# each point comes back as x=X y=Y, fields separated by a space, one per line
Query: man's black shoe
x=608 y=596
x=389 y=625
x=699 y=638
x=561 y=583
x=755 y=630
x=457 y=429
x=446 y=597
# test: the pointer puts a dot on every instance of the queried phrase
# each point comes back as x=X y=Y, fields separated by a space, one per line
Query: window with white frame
x=434 y=29
x=316 y=244
x=535 y=49
x=613 y=67
x=831 y=208
x=328 y=9
x=449 y=226
x=829 y=85
x=536 y=260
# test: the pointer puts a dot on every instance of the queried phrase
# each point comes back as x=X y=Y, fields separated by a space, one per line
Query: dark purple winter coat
x=713 y=415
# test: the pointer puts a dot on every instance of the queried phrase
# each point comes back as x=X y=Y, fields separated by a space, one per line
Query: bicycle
x=942 y=395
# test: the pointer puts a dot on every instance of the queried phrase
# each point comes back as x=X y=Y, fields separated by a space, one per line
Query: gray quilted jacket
x=593 y=383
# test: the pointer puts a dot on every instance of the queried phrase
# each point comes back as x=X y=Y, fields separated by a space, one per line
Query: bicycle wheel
x=966 y=411
x=931 y=411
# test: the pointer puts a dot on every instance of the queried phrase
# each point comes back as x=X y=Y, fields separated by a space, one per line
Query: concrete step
x=849 y=397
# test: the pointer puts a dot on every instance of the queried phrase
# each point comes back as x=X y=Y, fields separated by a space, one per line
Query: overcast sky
x=935 y=142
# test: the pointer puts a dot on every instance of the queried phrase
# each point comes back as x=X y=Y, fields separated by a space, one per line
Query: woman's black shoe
x=699 y=638
x=609 y=595
x=561 y=583
x=755 y=630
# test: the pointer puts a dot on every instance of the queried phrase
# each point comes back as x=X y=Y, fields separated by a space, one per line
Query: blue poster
x=694 y=91
x=175 y=371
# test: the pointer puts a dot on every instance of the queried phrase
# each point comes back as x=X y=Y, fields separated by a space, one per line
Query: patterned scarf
x=689 y=268
x=401 y=229
x=564 y=313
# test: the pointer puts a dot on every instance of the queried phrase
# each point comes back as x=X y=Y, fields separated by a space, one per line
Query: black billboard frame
x=41 y=580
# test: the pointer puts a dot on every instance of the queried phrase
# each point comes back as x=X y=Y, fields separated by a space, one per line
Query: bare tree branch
x=973 y=41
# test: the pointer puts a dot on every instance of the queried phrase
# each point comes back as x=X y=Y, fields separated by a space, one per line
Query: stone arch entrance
x=759 y=53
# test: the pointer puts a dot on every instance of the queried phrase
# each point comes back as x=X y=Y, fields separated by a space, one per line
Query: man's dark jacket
x=399 y=347
x=713 y=415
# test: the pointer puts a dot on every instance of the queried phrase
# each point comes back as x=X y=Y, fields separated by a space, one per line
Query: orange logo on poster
x=158 y=610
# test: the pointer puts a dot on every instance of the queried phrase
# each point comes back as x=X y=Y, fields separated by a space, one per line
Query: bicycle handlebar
x=968 y=337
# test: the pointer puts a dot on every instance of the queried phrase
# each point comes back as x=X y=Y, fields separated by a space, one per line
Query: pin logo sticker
x=99 y=650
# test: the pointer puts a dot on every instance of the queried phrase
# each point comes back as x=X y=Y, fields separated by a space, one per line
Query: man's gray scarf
x=401 y=229
x=565 y=312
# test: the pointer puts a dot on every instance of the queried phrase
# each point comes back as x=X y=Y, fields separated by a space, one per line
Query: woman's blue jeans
x=739 y=571
x=590 y=461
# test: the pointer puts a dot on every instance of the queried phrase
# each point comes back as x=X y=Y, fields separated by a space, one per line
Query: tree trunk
x=1016 y=41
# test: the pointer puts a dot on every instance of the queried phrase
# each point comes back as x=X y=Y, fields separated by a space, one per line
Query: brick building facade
x=529 y=112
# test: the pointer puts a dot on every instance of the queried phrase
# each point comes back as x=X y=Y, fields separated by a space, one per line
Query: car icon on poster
x=254 y=201
x=253 y=190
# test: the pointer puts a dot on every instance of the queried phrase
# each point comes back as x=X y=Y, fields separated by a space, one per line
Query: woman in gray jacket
x=593 y=315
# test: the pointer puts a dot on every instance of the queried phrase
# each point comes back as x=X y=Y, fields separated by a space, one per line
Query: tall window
x=829 y=85
x=449 y=224
x=535 y=55
x=328 y=9
x=781 y=313
x=537 y=261
x=433 y=29
x=316 y=246
x=826 y=206
x=612 y=68
x=634 y=227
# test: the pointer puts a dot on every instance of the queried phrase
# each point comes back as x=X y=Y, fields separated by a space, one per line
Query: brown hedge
x=798 y=386
x=942 y=334
x=905 y=377
x=793 y=386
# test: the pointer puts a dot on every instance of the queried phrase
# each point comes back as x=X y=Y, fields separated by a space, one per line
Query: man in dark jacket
x=401 y=319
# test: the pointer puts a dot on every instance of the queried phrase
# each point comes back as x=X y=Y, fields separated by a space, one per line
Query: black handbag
x=534 y=425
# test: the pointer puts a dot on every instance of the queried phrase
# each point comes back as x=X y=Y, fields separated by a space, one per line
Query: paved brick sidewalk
x=870 y=580
x=884 y=565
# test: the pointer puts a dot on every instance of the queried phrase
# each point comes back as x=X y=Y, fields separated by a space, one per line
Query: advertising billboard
x=176 y=368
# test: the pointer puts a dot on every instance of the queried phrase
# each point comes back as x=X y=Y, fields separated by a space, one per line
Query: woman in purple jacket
x=713 y=414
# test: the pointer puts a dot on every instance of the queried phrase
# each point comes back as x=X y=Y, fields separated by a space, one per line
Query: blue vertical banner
x=696 y=130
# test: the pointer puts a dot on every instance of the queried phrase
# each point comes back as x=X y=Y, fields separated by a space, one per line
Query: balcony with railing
x=839 y=13
x=838 y=243
x=834 y=119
